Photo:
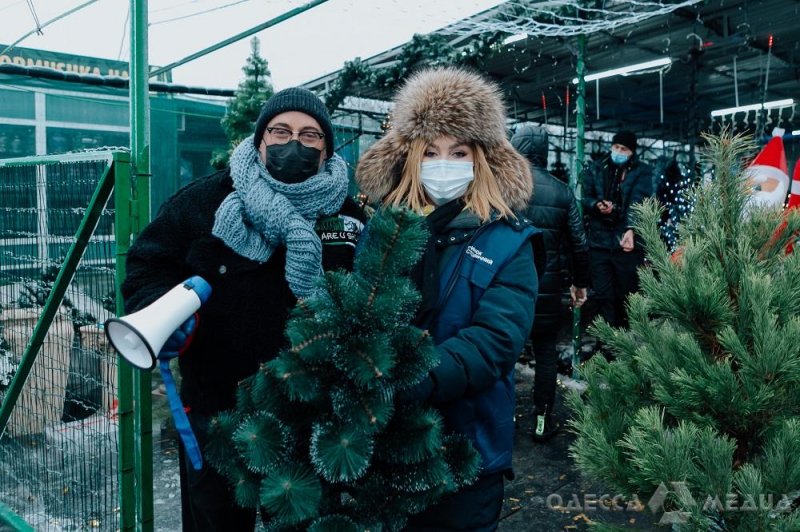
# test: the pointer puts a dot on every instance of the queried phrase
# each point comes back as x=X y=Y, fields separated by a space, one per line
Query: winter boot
x=545 y=426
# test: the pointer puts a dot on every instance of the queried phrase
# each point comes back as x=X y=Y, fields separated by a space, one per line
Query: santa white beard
x=760 y=175
x=776 y=198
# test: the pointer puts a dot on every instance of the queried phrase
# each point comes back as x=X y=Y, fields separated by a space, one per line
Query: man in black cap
x=611 y=186
x=260 y=232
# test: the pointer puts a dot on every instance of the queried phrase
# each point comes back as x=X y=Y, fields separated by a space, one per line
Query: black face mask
x=292 y=162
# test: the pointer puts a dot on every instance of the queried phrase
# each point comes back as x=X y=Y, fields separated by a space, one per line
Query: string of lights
x=565 y=18
x=673 y=180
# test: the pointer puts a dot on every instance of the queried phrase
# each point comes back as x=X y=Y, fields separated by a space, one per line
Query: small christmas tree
x=316 y=439
x=701 y=403
x=244 y=108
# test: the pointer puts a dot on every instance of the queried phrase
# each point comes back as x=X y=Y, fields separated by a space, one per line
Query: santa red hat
x=794 y=192
x=771 y=161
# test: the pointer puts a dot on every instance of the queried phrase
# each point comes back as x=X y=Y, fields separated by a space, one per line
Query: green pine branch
x=316 y=439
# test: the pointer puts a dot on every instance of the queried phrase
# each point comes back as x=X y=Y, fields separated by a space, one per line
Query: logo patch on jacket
x=339 y=230
x=477 y=254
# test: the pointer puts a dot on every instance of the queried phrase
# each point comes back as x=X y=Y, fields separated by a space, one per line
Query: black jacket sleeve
x=592 y=188
x=578 y=245
x=156 y=261
x=642 y=187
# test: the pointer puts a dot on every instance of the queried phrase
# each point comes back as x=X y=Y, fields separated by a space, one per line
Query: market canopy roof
x=716 y=48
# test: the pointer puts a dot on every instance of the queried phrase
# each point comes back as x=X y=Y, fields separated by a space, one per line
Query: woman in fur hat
x=447 y=156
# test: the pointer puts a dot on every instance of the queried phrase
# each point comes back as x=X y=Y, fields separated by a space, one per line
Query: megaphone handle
x=179 y=416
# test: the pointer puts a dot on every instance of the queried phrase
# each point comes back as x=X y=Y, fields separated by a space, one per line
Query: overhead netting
x=564 y=18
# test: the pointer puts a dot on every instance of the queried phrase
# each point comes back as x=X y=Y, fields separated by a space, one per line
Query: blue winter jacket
x=487 y=294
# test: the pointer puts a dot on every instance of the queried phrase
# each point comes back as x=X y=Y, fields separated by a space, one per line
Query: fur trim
x=446 y=101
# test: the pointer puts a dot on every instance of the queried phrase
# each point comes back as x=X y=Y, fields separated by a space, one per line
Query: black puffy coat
x=625 y=186
x=242 y=323
x=553 y=209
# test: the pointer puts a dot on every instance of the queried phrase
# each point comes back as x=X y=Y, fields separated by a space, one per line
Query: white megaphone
x=139 y=337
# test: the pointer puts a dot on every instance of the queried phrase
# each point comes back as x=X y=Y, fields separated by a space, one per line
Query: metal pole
x=12 y=520
x=125 y=414
x=763 y=113
x=597 y=97
x=577 y=183
x=693 y=120
x=140 y=215
x=661 y=94
x=238 y=37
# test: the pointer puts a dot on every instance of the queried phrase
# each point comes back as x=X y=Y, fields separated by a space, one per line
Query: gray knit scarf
x=263 y=213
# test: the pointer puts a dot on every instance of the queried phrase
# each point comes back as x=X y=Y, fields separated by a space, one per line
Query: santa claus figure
x=769 y=174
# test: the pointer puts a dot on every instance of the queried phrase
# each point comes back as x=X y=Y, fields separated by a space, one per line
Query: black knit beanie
x=295 y=99
x=626 y=138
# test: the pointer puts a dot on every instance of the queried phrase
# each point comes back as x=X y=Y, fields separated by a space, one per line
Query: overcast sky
x=300 y=49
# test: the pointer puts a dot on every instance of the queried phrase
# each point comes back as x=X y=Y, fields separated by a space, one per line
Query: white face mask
x=446 y=180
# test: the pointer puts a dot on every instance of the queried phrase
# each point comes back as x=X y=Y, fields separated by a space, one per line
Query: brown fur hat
x=446 y=101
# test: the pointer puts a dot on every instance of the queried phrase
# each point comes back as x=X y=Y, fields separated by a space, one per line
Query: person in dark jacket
x=260 y=232
x=553 y=209
x=447 y=156
x=611 y=187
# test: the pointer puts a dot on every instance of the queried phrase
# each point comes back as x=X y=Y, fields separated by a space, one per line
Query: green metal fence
x=66 y=417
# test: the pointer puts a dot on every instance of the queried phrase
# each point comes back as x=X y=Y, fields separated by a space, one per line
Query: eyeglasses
x=307 y=137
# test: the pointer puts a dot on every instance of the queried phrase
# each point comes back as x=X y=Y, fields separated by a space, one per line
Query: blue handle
x=179 y=416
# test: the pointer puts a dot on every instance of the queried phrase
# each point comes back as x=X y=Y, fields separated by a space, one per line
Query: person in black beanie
x=610 y=187
x=261 y=232
x=296 y=99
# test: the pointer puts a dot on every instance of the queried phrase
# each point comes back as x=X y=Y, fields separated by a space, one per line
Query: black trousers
x=475 y=508
x=543 y=342
x=207 y=500
x=614 y=277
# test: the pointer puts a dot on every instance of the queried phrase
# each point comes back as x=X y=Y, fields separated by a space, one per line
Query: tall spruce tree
x=701 y=398
x=243 y=109
x=316 y=438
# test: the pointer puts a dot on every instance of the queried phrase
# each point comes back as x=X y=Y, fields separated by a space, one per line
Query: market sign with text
x=79 y=64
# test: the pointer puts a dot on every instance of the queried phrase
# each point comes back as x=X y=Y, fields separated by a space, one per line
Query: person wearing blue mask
x=611 y=187
x=447 y=156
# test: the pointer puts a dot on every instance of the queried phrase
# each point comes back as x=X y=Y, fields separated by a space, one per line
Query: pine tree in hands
x=703 y=388
x=244 y=108
x=317 y=439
